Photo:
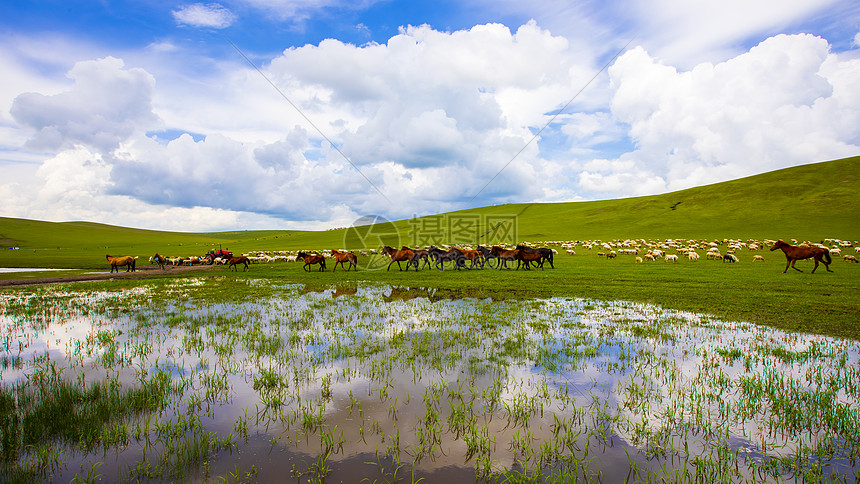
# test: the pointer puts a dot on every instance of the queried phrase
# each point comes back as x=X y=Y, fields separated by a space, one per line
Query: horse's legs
x=794 y=261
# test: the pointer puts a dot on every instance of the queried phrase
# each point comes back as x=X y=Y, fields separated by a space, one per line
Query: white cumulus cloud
x=210 y=15
x=429 y=117
x=106 y=104
x=785 y=102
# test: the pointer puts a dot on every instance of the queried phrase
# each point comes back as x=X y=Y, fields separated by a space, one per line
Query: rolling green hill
x=814 y=201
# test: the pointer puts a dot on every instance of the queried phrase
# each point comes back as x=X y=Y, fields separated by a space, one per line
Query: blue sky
x=145 y=112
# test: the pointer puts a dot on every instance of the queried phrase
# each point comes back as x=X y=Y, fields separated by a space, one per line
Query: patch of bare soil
x=140 y=272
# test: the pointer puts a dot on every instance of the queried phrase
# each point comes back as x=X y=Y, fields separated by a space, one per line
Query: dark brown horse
x=342 y=258
x=526 y=258
x=441 y=257
x=795 y=253
x=488 y=255
x=399 y=256
x=545 y=253
x=117 y=262
x=504 y=255
x=311 y=259
x=235 y=261
x=474 y=256
x=418 y=255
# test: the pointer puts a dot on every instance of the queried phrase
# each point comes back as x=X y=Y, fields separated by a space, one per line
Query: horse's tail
x=827 y=259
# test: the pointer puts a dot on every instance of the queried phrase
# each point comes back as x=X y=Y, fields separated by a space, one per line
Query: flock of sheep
x=726 y=250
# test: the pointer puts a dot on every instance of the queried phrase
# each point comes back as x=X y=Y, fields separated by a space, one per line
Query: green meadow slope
x=805 y=202
x=814 y=201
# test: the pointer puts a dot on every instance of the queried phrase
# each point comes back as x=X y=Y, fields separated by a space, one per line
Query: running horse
x=526 y=258
x=488 y=255
x=794 y=253
x=342 y=258
x=417 y=256
x=311 y=259
x=398 y=256
x=504 y=255
x=117 y=262
x=453 y=255
x=545 y=254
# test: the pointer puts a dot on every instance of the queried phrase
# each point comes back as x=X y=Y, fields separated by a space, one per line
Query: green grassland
x=809 y=202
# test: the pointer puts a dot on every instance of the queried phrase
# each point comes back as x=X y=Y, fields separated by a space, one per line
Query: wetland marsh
x=180 y=380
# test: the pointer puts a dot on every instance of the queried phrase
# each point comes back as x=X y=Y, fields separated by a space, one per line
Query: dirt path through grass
x=140 y=272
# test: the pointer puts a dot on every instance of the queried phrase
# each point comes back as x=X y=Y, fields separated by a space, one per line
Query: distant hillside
x=811 y=201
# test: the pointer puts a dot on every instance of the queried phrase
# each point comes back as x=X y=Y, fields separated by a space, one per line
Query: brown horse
x=417 y=256
x=526 y=258
x=795 y=253
x=545 y=253
x=474 y=256
x=311 y=259
x=399 y=256
x=504 y=255
x=343 y=257
x=117 y=262
x=235 y=261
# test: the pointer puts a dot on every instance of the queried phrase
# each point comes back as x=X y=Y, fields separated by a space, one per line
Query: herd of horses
x=435 y=257
x=495 y=257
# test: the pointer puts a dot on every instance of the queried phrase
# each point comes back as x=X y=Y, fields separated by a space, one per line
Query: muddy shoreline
x=140 y=272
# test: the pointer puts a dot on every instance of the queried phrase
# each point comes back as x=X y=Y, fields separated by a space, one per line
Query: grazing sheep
x=638 y=259
x=693 y=256
x=758 y=258
x=671 y=258
x=849 y=258
x=611 y=255
x=650 y=257
x=730 y=258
